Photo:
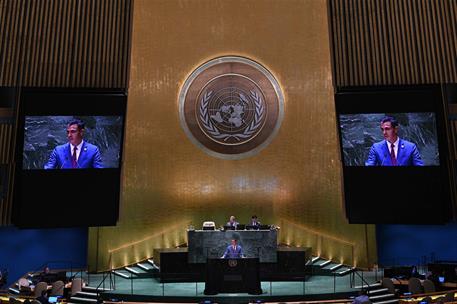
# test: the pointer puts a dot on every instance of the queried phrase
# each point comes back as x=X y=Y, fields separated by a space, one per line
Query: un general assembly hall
x=228 y=151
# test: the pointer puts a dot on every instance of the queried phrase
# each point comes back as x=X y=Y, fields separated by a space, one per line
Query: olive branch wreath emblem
x=247 y=132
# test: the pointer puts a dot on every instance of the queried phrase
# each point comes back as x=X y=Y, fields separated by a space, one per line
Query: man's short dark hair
x=78 y=122
x=390 y=119
x=254 y=216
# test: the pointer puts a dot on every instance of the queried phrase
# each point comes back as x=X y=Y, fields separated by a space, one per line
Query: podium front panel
x=232 y=276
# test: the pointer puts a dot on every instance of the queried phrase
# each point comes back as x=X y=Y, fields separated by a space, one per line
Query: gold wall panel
x=169 y=183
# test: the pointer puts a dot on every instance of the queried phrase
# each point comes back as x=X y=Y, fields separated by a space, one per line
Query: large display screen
x=68 y=157
x=50 y=140
x=367 y=139
x=394 y=157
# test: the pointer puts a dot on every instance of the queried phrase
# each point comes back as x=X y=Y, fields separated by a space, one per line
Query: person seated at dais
x=254 y=222
x=232 y=222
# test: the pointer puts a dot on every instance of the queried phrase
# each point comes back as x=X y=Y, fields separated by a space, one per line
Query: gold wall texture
x=169 y=183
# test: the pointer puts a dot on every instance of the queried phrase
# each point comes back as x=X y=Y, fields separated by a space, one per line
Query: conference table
x=211 y=244
x=405 y=282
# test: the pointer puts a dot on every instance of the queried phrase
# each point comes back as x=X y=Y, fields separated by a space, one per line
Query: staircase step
x=314 y=259
x=378 y=290
x=325 y=263
x=91 y=288
x=135 y=270
x=381 y=297
x=387 y=302
x=87 y=294
x=145 y=266
x=151 y=261
x=122 y=273
x=335 y=267
x=329 y=266
x=85 y=300
x=377 y=284
x=345 y=271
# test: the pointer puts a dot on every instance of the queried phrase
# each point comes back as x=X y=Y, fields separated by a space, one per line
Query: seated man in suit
x=393 y=151
x=233 y=251
x=254 y=222
x=44 y=297
x=75 y=154
x=46 y=275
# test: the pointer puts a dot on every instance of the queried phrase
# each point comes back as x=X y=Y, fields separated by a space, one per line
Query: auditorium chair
x=449 y=297
x=39 y=288
x=57 y=288
x=14 y=301
x=24 y=286
x=387 y=283
x=428 y=286
x=414 y=286
x=427 y=300
x=76 y=285
x=35 y=301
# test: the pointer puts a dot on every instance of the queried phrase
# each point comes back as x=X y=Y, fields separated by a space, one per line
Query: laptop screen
x=53 y=299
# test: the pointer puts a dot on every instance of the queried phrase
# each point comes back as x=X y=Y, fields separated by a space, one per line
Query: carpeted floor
x=315 y=285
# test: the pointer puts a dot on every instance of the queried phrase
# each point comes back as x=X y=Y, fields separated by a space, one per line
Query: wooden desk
x=413 y=299
x=446 y=285
x=450 y=285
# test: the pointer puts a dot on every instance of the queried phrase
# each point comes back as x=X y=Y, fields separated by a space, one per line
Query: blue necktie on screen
x=74 y=163
x=392 y=155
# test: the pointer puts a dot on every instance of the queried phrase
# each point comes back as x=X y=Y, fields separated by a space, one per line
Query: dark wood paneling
x=6 y=133
x=65 y=43
x=392 y=42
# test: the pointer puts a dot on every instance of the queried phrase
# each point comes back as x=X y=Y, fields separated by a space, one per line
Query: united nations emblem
x=231 y=107
x=232 y=263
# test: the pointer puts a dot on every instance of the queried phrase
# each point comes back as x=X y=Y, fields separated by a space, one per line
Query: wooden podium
x=232 y=275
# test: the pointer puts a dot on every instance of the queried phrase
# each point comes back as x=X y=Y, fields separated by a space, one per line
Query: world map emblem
x=231 y=107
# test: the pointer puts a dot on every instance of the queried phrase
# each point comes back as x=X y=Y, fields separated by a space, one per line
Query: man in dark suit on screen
x=393 y=151
x=75 y=154
x=233 y=251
